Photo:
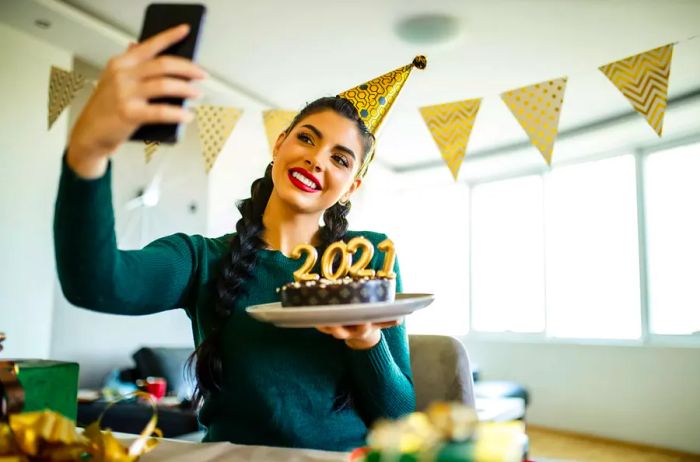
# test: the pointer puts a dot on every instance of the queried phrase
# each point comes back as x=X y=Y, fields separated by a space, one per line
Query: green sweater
x=281 y=387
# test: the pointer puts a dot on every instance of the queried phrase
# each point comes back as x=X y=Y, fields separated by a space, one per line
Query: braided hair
x=238 y=264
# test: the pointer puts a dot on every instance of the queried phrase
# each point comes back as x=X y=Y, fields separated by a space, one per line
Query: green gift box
x=49 y=385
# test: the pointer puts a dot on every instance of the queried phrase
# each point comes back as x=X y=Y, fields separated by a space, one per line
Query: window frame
x=647 y=337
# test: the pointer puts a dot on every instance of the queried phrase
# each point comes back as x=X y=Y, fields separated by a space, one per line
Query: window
x=672 y=212
x=592 y=250
x=507 y=271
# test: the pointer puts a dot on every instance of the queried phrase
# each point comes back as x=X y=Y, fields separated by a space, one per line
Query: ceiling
x=284 y=54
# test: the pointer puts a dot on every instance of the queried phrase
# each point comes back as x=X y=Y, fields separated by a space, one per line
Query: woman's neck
x=285 y=228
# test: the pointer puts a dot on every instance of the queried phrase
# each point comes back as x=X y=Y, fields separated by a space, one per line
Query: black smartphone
x=159 y=17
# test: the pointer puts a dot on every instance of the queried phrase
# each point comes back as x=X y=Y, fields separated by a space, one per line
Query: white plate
x=331 y=315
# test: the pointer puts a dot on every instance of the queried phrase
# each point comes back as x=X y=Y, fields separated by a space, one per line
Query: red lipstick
x=304 y=180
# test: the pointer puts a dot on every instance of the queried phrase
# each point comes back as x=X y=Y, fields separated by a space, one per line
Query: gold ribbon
x=49 y=436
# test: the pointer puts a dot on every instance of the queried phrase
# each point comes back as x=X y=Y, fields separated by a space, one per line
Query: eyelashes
x=338 y=158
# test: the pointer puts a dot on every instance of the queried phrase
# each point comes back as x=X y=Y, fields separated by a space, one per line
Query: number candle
x=387 y=271
x=302 y=274
x=359 y=268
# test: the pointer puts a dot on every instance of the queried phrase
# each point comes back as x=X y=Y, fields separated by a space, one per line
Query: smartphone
x=159 y=17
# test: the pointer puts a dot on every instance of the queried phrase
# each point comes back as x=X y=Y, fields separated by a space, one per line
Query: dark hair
x=238 y=264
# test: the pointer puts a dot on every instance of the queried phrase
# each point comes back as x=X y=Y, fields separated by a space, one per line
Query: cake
x=337 y=292
x=344 y=279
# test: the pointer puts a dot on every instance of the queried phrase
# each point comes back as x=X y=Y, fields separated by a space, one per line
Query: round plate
x=332 y=315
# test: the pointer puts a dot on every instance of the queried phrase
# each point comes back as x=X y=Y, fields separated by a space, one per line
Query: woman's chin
x=303 y=202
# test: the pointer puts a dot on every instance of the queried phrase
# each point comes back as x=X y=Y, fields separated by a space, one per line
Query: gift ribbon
x=49 y=436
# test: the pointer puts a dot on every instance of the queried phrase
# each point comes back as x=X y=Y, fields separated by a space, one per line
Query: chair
x=441 y=370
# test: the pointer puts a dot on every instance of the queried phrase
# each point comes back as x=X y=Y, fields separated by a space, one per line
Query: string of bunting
x=642 y=79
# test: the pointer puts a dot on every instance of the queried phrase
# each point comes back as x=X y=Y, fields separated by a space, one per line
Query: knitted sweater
x=281 y=387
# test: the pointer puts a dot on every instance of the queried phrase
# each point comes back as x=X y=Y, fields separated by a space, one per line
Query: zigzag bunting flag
x=276 y=121
x=537 y=108
x=63 y=85
x=150 y=149
x=215 y=124
x=643 y=79
x=451 y=124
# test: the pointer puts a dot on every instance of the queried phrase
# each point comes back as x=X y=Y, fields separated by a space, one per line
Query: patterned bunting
x=63 y=85
x=537 y=108
x=150 y=149
x=215 y=124
x=276 y=121
x=643 y=79
x=451 y=124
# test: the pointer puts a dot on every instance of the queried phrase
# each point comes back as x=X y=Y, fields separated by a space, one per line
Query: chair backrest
x=441 y=370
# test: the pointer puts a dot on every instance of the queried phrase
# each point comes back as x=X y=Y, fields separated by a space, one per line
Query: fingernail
x=189 y=116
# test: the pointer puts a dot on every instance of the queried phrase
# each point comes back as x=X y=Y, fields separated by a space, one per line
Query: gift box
x=445 y=432
x=51 y=385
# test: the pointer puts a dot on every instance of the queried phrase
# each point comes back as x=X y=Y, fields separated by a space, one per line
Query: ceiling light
x=428 y=29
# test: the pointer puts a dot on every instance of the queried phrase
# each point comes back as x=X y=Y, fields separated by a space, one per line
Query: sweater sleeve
x=94 y=274
x=383 y=383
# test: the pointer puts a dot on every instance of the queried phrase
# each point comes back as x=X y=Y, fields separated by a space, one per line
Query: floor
x=550 y=446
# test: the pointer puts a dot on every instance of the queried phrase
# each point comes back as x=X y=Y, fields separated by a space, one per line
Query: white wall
x=29 y=159
x=649 y=395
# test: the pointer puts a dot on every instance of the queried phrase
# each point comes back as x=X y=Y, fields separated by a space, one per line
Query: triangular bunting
x=63 y=85
x=215 y=124
x=451 y=124
x=276 y=121
x=537 y=108
x=150 y=149
x=643 y=79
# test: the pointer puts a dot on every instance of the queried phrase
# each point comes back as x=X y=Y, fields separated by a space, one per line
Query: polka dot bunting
x=537 y=108
x=276 y=121
x=215 y=124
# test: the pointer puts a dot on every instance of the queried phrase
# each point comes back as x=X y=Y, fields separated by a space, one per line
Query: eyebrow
x=318 y=133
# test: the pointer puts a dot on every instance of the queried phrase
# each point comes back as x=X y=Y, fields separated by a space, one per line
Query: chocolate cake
x=337 y=292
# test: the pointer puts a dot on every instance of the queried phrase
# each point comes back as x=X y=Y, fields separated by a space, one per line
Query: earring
x=344 y=203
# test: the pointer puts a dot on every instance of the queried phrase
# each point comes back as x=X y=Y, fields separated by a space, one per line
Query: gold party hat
x=374 y=99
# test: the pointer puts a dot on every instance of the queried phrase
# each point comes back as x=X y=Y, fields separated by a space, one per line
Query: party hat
x=374 y=99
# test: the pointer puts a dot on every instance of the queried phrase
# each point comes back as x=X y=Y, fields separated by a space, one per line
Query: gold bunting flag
x=215 y=124
x=63 y=85
x=643 y=79
x=537 y=108
x=451 y=124
x=276 y=121
x=150 y=149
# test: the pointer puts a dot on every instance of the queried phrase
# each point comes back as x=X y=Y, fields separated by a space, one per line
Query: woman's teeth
x=304 y=180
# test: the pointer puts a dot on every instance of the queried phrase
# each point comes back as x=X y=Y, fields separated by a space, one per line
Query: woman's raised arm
x=93 y=272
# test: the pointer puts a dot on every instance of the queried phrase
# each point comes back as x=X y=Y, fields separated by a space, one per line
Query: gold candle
x=387 y=271
x=302 y=274
x=359 y=267
x=327 y=261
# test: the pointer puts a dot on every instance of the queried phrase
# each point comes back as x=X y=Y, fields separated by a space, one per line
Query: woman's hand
x=120 y=102
x=359 y=336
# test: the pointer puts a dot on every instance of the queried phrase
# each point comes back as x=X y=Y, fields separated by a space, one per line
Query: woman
x=260 y=384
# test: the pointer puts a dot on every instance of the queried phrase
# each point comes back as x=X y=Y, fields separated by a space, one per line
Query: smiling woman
x=258 y=384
